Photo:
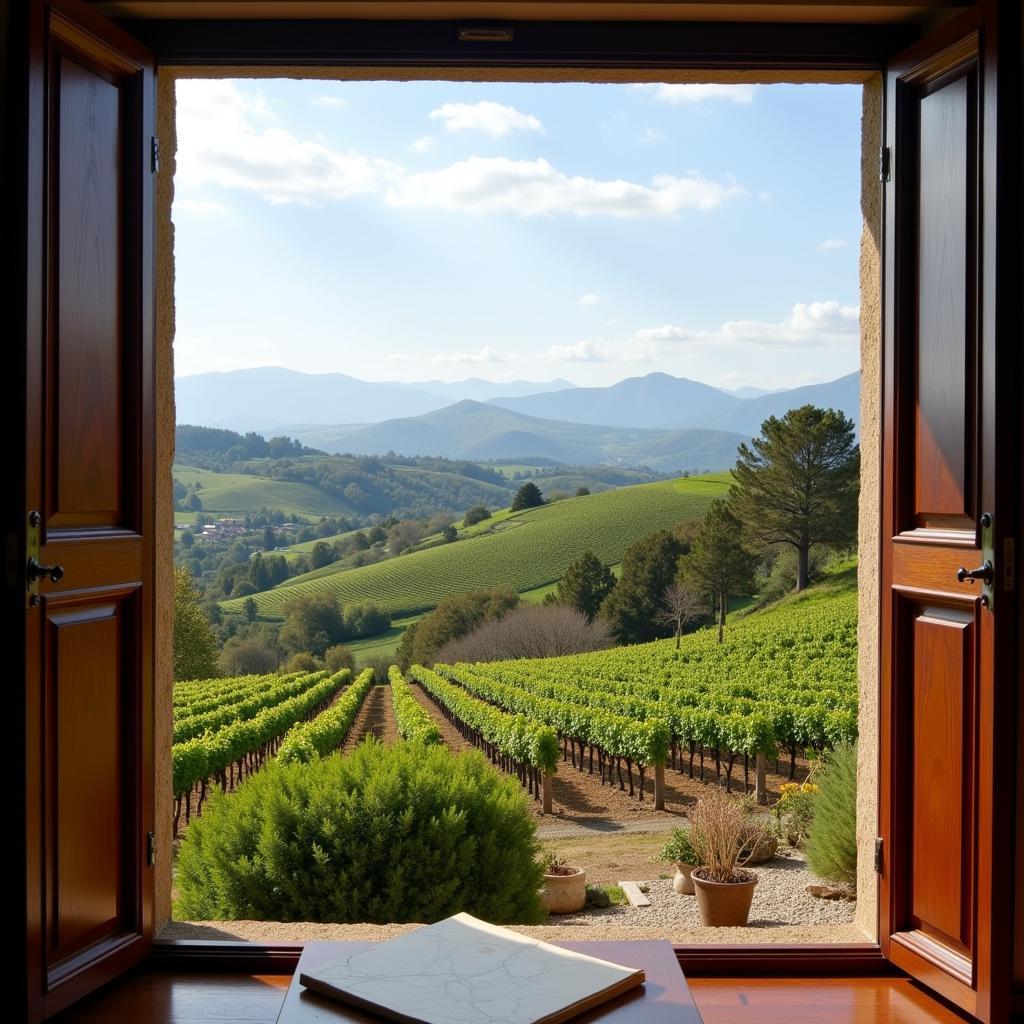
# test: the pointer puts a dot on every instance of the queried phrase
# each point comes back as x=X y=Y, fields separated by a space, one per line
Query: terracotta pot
x=565 y=894
x=683 y=883
x=724 y=904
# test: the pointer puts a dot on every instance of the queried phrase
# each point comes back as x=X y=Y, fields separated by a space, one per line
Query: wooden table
x=663 y=999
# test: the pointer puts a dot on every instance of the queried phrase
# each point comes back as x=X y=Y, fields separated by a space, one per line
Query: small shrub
x=338 y=657
x=679 y=849
x=477 y=514
x=302 y=662
x=795 y=811
x=832 y=837
x=384 y=834
x=597 y=896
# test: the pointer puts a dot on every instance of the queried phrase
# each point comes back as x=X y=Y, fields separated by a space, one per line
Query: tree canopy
x=648 y=567
x=195 y=646
x=585 y=585
x=452 y=618
x=528 y=496
x=797 y=484
x=718 y=564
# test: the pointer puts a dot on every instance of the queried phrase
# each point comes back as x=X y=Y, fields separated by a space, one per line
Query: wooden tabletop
x=663 y=999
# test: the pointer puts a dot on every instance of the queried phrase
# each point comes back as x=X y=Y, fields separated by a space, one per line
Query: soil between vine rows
x=579 y=796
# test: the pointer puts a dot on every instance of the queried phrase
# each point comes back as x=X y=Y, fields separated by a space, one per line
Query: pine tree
x=648 y=567
x=718 y=564
x=798 y=482
x=528 y=496
x=195 y=646
x=585 y=584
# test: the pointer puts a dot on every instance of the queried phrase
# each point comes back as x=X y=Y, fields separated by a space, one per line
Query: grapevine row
x=242 y=746
x=413 y=722
x=276 y=692
x=616 y=738
x=309 y=740
x=515 y=743
x=196 y=698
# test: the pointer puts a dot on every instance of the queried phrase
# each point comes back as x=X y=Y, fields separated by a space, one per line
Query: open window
x=948 y=496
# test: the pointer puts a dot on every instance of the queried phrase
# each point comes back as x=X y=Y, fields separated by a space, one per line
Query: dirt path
x=579 y=797
x=375 y=716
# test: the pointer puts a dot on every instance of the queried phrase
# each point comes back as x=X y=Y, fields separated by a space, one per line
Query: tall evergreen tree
x=718 y=564
x=528 y=496
x=797 y=483
x=648 y=567
x=585 y=584
x=195 y=646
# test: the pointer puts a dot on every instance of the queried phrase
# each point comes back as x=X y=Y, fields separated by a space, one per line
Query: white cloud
x=226 y=137
x=424 y=144
x=589 y=299
x=808 y=324
x=494 y=119
x=832 y=244
x=329 y=102
x=199 y=206
x=653 y=135
x=487 y=354
x=702 y=92
x=533 y=188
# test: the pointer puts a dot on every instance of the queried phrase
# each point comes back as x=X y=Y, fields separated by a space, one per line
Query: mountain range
x=480 y=431
x=664 y=422
x=286 y=396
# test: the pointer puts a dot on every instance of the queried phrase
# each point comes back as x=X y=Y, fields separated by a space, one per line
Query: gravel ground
x=588 y=828
x=782 y=911
x=780 y=898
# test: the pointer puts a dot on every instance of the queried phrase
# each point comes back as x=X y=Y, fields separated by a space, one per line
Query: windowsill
x=275 y=947
x=276 y=932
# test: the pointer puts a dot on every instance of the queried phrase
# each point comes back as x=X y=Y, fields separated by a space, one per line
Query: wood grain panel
x=942 y=775
x=85 y=401
x=87 y=752
x=942 y=479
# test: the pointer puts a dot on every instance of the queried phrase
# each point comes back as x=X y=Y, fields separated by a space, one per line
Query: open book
x=465 y=971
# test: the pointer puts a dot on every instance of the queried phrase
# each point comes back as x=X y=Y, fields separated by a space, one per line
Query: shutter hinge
x=884 y=164
x=154 y=155
x=879 y=862
x=150 y=849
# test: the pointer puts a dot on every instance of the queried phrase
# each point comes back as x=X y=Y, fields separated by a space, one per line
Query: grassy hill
x=235 y=494
x=525 y=550
x=807 y=639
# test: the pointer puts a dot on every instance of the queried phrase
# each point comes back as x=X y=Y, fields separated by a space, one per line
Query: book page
x=465 y=971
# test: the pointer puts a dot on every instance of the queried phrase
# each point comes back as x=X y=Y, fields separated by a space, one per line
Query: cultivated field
x=525 y=550
x=235 y=494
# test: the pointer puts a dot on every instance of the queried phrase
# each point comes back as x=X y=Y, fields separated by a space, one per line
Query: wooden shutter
x=950 y=460
x=89 y=504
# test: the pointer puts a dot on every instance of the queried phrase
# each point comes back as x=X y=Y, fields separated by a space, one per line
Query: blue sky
x=411 y=231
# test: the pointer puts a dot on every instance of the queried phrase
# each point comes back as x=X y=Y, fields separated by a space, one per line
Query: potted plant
x=565 y=887
x=679 y=851
x=724 y=888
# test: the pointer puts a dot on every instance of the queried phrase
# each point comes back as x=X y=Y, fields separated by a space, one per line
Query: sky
x=439 y=230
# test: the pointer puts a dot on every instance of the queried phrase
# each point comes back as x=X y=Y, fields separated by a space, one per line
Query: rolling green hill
x=525 y=550
x=235 y=494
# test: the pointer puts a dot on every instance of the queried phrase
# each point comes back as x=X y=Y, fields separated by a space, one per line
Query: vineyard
x=226 y=729
x=624 y=722
x=524 y=551
x=783 y=683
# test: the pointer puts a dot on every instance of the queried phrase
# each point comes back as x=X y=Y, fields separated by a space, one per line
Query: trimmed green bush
x=832 y=838
x=384 y=834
